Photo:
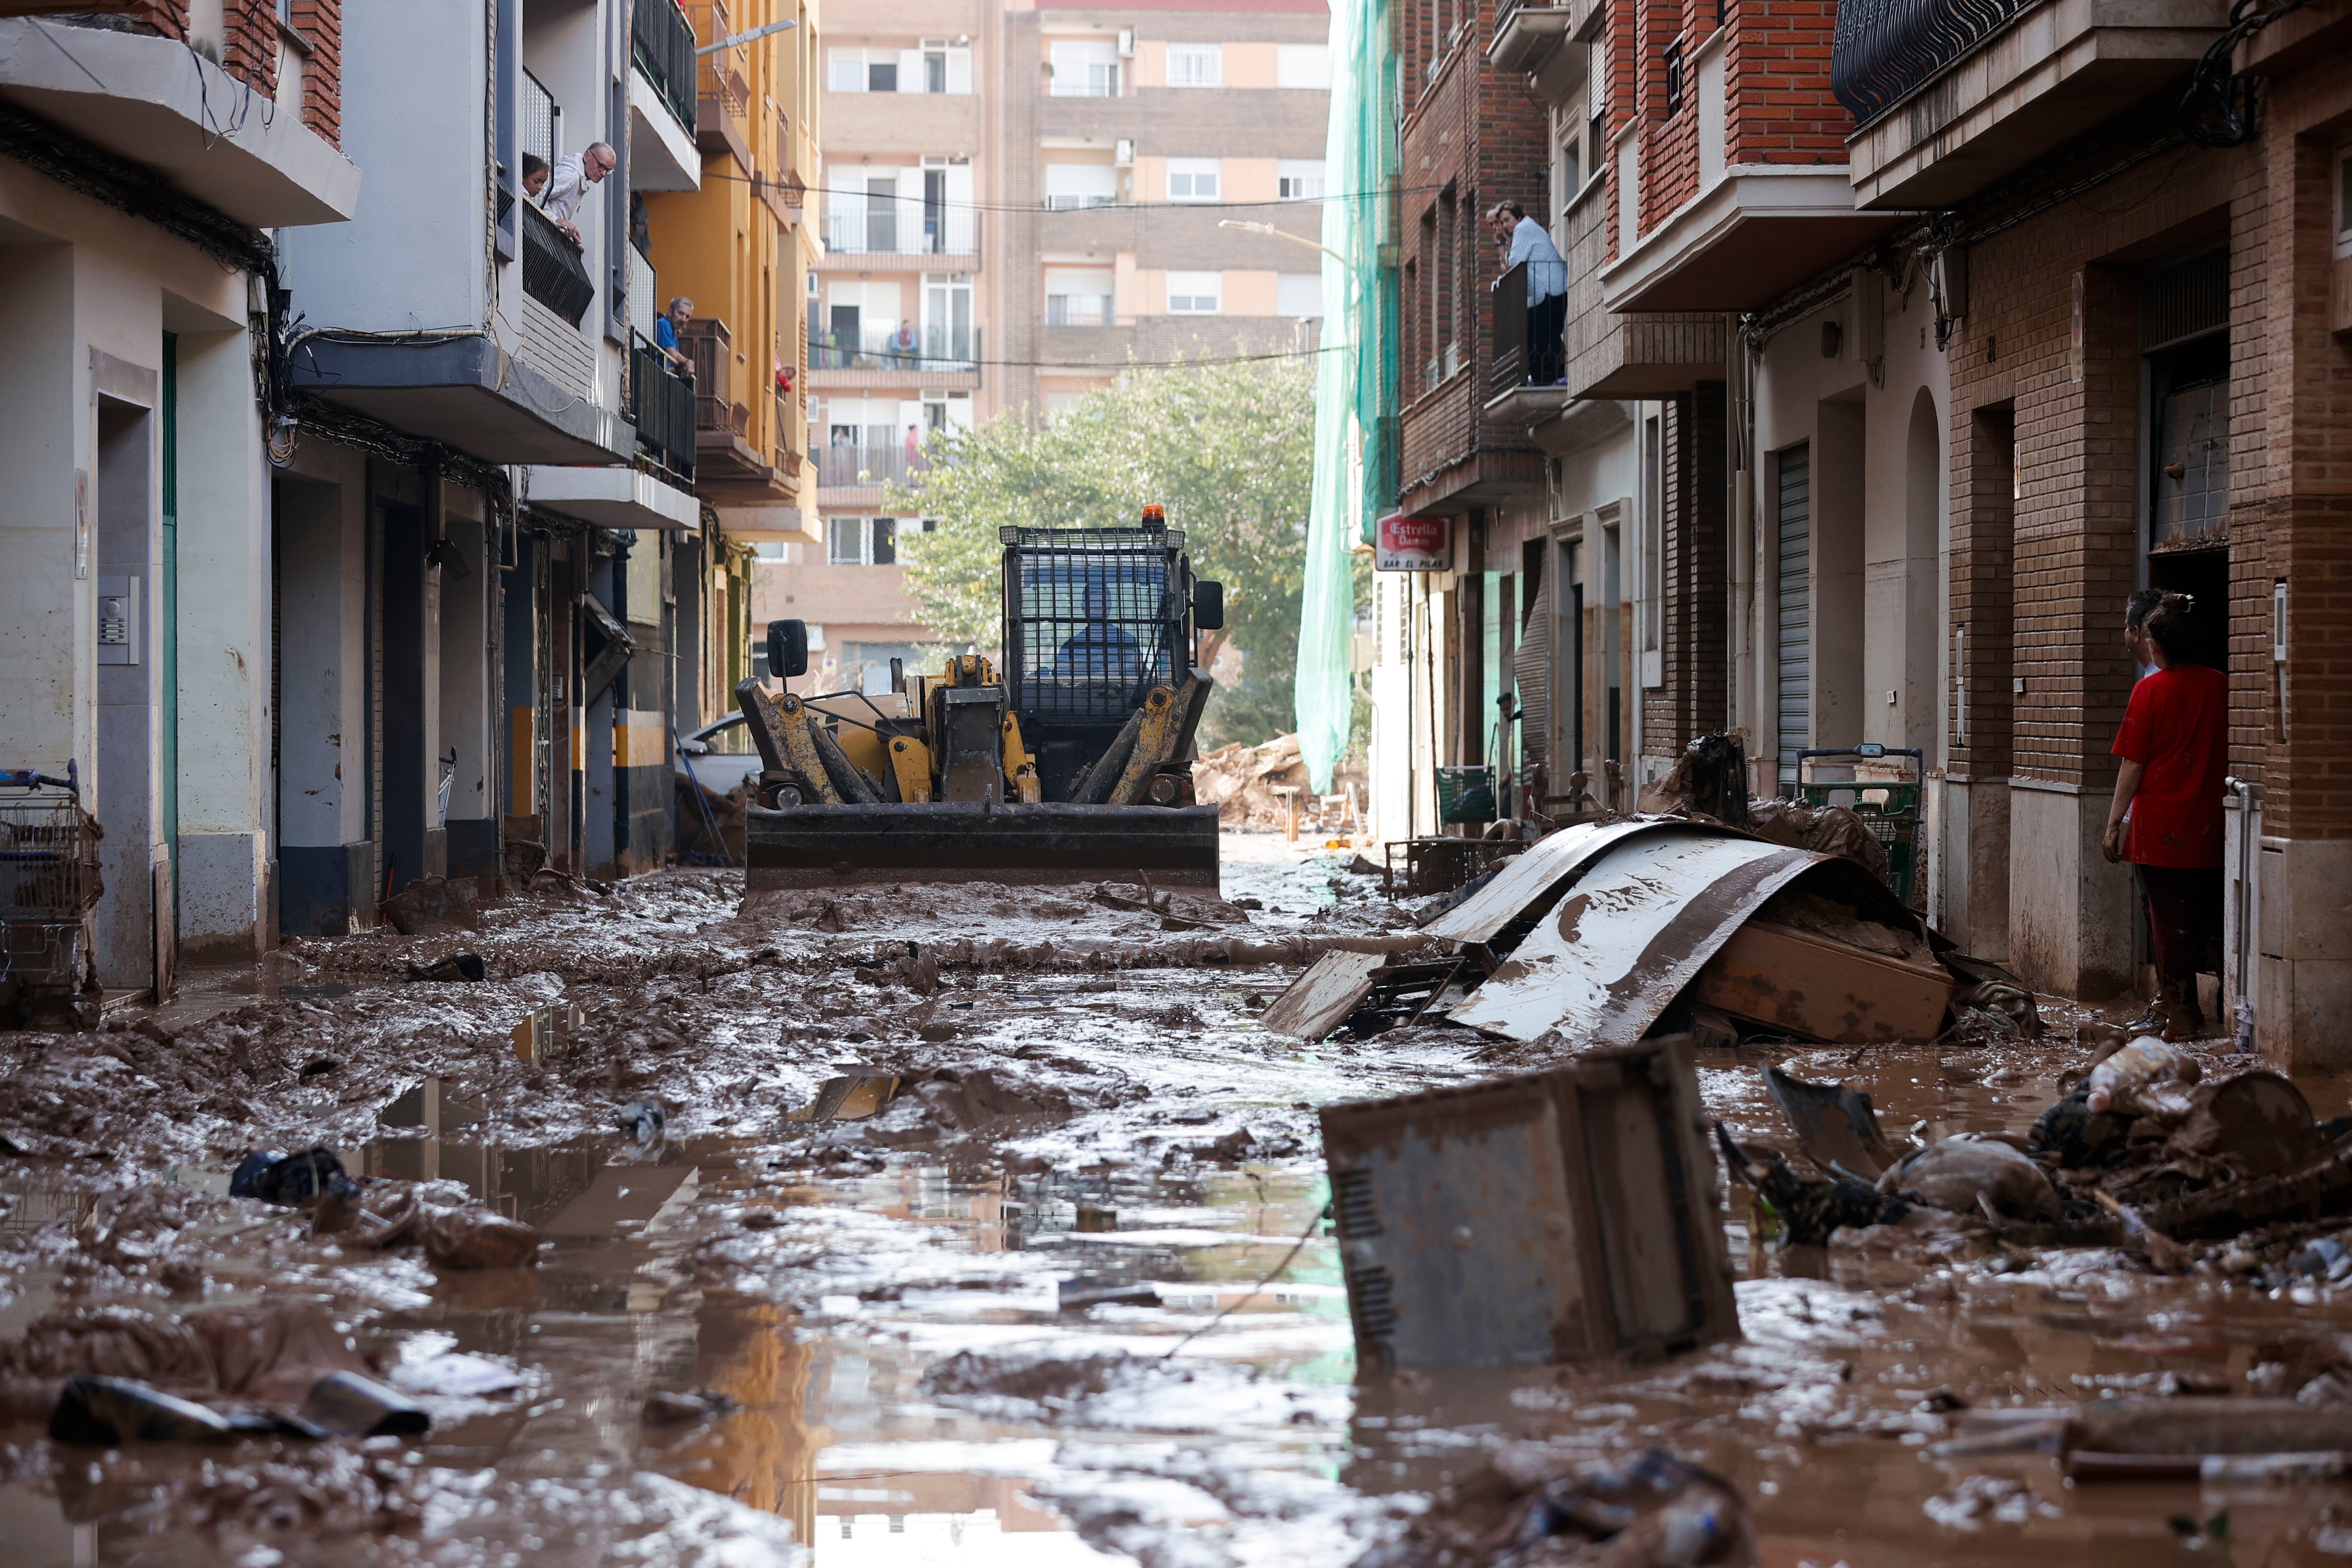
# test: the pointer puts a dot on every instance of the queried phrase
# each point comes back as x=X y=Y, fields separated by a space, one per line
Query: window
x=1072 y=185
x=1191 y=179
x=1299 y=294
x=1086 y=67
x=861 y=541
x=1079 y=296
x=1196 y=65
x=873 y=70
x=947 y=67
x=1303 y=66
x=1194 y=293
x=1673 y=58
x=1298 y=179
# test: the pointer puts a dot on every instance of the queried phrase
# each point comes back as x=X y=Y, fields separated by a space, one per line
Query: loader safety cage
x=1093 y=619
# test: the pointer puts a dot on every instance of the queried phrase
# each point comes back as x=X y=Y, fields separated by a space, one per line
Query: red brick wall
x=321 y=23
x=1669 y=137
x=1776 y=71
x=1694 y=630
x=251 y=52
x=169 y=17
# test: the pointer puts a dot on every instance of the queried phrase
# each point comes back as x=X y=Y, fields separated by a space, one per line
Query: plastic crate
x=1465 y=793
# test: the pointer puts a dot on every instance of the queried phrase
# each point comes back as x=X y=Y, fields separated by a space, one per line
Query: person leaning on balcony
x=667 y=328
x=534 y=174
x=567 y=185
x=904 y=341
x=1526 y=240
x=2166 y=817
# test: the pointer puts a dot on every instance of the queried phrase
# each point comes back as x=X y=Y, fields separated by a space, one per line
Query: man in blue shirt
x=1099 y=650
x=667 y=327
x=1527 y=241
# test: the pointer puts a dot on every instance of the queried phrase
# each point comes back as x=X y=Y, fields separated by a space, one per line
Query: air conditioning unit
x=1123 y=154
x=1127 y=43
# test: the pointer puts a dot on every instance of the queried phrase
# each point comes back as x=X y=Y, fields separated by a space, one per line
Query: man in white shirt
x=567 y=187
x=1527 y=241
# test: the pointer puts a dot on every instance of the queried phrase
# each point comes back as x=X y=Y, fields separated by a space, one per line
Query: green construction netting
x=1355 y=382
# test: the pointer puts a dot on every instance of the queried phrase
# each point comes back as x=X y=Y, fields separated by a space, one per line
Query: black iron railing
x=1885 y=50
x=661 y=41
x=552 y=271
x=661 y=406
x=1509 y=363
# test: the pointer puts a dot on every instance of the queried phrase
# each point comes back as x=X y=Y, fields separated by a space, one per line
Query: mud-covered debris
x=319 y=1067
x=856 y=1093
x=2146 y=1078
x=1654 y=1510
x=1971 y=1174
x=475 y=1237
x=644 y=1120
x=965 y=1101
x=465 y=966
x=2158 y=1439
x=112 y=1411
x=1810 y=1211
x=345 y=1405
x=375 y=1212
x=2257 y=1121
x=1074 y=1295
x=288 y=1180
x=675 y=1409
x=432 y=904
x=2324 y=1258
x=1095 y=1217
x=1836 y=1127
x=2079 y=1138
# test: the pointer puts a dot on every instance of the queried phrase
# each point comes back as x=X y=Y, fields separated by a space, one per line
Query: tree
x=1226 y=448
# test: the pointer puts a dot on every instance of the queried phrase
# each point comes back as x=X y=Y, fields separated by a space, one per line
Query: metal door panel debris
x=1816 y=989
x=1526 y=878
x=1629 y=936
x=1320 y=1000
x=1552 y=1218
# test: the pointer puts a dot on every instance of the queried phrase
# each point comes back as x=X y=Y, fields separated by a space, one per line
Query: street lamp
x=1271 y=232
x=730 y=41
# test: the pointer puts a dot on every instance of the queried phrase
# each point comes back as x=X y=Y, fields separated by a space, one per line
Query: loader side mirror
x=787 y=648
x=1208 y=606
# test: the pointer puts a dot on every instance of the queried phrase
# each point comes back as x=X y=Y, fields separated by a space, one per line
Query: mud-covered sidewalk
x=1069 y=1296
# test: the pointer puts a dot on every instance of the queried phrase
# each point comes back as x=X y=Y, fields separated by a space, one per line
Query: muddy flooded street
x=982 y=1225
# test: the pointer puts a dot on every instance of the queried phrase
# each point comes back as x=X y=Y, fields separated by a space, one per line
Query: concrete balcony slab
x=1758 y=232
x=617 y=498
x=1526 y=35
x=461 y=391
x=662 y=154
x=158 y=103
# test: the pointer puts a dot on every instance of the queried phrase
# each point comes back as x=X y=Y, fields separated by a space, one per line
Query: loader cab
x=1093 y=618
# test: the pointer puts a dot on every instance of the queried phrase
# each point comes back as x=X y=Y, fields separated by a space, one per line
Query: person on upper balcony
x=568 y=183
x=667 y=328
x=1524 y=239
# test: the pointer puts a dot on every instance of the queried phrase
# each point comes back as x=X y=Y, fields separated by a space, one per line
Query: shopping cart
x=1888 y=807
x=48 y=884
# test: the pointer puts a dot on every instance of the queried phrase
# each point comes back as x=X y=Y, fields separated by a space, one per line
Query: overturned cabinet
x=1562 y=1216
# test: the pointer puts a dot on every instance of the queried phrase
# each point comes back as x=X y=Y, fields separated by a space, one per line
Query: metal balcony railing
x=899 y=226
x=1080 y=310
x=712 y=348
x=542 y=131
x=552 y=271
x=644 y=294
x=867 y=467
x=723 y=75
x=928 y=348
x=1885 y=50
x=661 y=406
x=1508 y=361
x=661 y=42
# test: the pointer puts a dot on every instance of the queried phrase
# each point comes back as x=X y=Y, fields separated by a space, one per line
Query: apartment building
x=140 y=180
x=1018 y=203
x=735 y=243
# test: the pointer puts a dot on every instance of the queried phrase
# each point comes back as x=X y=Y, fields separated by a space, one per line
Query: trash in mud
x=287 y=1180
x=373 y=1213
x=643 y=1121
x=2146 y=1078
x=475 y=1237
x=465 y=966
x=1177 y=910
x=1475 y=1229
x=669 y=1409
x=345 y=1405
x=111 y=1411
x=1836 y=1129
x=1367 y=992
x=430 y=905
x=434 y=1104
x=2258 y=1122
x=1968 y=1173
x=1654 y=1510
x=1812 y=975
x=2170 y=1439
x=857 y=1092
x=1810 y=1212
x=1073 y=1296
x=1095 y=1217
x=545 y=1029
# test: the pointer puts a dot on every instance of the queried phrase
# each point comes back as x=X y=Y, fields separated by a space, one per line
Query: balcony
x=722 y=89
x=874 y=357
x=1515 y=393
x=661 y=406
x=1757 y=232
x=159 y=104
x=902 y=225
x=1526 y=32
x=1951 y=97
x=553 y=270
x=729 y=464
x=662 y=152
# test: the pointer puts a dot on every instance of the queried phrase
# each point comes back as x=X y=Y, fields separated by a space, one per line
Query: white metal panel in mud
x=1529 y=876
x=1628 y=936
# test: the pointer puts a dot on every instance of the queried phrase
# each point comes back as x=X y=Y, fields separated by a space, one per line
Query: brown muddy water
x=894 y=1309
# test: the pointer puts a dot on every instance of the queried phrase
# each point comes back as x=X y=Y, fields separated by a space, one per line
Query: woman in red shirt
x=2175 y=746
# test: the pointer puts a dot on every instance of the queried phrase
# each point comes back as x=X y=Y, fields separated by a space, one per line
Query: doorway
x=134 y=937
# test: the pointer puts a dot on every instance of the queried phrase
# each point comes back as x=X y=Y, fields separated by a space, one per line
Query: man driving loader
x=1099 y=650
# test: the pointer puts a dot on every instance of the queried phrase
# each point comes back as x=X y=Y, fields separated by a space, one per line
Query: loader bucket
x=973 y=841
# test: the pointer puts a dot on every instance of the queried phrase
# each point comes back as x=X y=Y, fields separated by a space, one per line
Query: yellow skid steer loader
x=1071 y=764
